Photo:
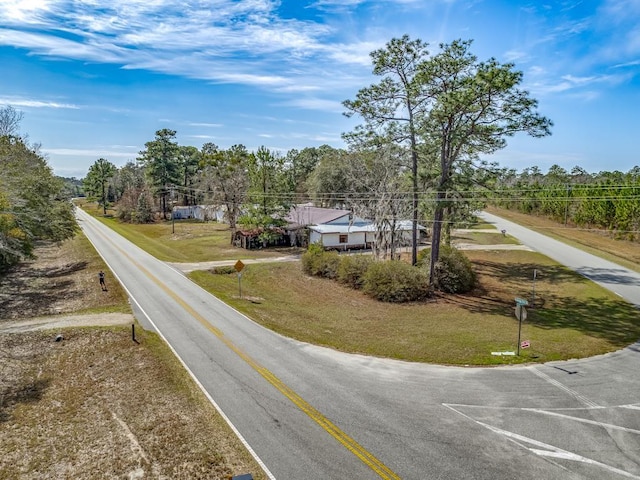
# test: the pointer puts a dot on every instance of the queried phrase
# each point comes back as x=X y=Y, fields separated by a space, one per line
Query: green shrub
x=320 y=263
x=223 y=270
x=453 y=272
x=353 y=268
x=396 y=281
x=423 y=256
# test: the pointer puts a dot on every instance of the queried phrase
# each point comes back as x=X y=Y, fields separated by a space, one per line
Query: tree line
x=605 y=200
x=34 y=204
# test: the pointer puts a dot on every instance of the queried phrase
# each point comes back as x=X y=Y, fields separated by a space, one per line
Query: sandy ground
x=66 y=321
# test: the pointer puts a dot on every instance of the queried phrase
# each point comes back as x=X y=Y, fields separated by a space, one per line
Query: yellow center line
x=349 y=443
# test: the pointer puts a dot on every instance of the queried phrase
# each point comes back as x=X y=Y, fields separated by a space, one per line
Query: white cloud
x=317 y=104
x=572 y=82
x=515 y=56
x=208 y=125
x=31 y=103
x=97 y=153
x=218 y=40
x=632 y=63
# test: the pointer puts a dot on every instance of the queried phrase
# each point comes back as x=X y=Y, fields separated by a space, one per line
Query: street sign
x=521 y=301
x=521 y=313
x=525 y=344
x=239 y=266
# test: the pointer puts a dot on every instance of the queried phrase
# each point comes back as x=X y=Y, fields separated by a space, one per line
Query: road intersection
x=314 y=413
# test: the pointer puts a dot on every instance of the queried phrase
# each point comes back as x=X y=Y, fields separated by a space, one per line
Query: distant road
x=316 y=414
x=620 y=280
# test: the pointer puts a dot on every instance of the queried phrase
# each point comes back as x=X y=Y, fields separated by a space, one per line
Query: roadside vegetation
x=593 y=240
x=183 y=240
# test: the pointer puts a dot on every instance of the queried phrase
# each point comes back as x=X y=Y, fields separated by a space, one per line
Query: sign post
x=521 y=314
x=239 y=266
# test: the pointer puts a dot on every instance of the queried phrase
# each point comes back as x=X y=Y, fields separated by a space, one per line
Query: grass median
x=184 y=241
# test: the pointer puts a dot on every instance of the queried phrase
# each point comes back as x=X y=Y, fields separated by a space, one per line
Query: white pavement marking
x=192 y=375
x=576 y=395
x=549 y=450
x=631 y=407
x=608 y=426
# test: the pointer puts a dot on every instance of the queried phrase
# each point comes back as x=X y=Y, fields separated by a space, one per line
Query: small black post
x=519 y=326
x=133 y=333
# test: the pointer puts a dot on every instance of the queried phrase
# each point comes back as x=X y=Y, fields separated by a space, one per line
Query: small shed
x=253 y=238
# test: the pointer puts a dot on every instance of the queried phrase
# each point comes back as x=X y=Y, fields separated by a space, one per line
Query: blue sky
x=97 y=78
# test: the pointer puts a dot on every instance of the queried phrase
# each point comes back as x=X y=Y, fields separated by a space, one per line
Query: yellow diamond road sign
x=239 y=266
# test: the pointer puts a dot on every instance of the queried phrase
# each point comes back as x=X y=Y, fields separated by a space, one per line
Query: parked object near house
x=261 y=238
x=205 y=213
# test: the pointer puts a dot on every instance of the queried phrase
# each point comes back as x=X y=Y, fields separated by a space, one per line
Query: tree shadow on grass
x=61 y=271
x=613 y=320
x=32 y=291
x=500 y=283
x=29 y=392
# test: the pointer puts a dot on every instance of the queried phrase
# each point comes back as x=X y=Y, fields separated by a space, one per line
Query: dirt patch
x=66 y=321
x=95 y=404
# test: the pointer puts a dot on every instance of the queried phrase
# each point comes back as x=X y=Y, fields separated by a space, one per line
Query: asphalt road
x=611 y=276
x=308 y=412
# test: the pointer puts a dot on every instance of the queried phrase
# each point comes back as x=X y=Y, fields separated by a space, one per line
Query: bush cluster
x=392 y=281
x=396 y=281
x=223 y=270
x=352 y=270
x=386 y=281
x=453 y=272
x=320 y=263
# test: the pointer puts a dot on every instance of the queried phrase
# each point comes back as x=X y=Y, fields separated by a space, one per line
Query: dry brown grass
x=63 y=279
x=97 y=405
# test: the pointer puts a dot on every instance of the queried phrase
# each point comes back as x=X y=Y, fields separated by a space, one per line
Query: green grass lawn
x=483 y=238
x=573 y=317
x=185 y=240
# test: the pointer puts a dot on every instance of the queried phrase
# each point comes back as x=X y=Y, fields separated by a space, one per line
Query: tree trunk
x=436 y=235
x=104 y=200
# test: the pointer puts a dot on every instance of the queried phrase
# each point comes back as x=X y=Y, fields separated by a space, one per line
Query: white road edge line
x=549 y=450
x=195 y=379
x=576 y=395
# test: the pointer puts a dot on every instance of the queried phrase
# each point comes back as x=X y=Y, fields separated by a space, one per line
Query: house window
x=344 y=238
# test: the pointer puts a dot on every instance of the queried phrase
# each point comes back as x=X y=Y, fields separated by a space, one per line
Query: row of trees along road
x=604 y=200
x=33 y=204
x=426 y=124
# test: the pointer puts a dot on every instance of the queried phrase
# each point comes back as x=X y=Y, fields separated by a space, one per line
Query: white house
x=345 y=236
x=302 y=217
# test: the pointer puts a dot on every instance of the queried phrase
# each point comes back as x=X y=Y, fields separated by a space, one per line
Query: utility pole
x=566 y=205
